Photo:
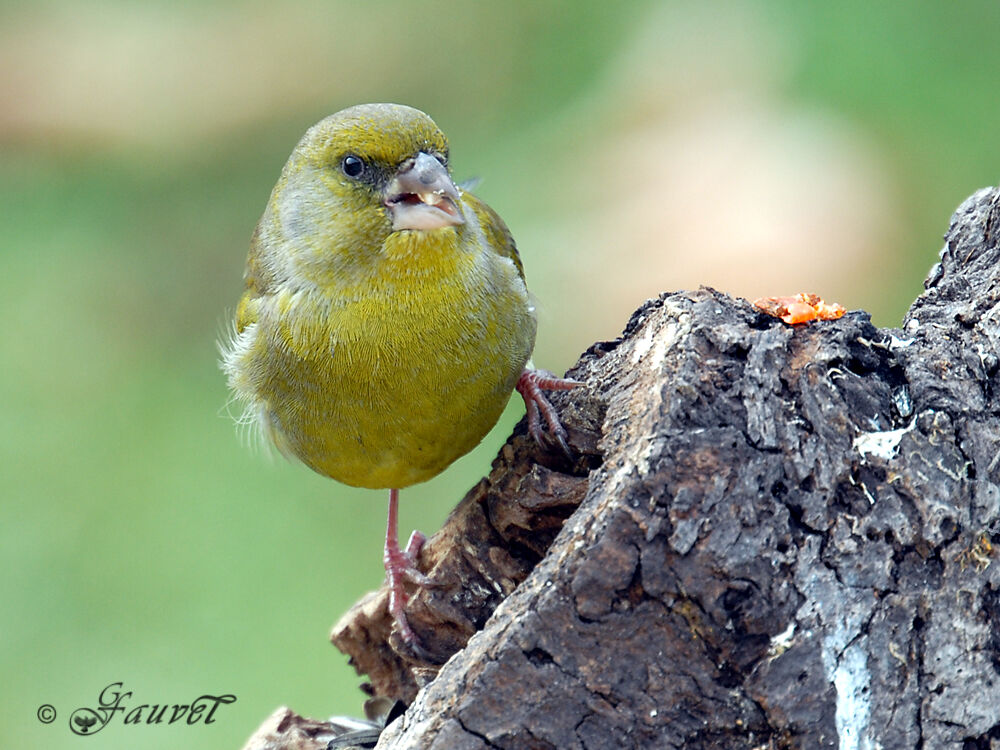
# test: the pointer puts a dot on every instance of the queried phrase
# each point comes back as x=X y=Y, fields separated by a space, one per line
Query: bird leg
x=530 y=385
x=401 y=565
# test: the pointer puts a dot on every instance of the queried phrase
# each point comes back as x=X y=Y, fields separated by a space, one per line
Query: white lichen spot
x=781 y=642
x=643 y=344
x=881 y=444
x=658 y=339
x=852 y=681
x=896 y=343
x=903 y=401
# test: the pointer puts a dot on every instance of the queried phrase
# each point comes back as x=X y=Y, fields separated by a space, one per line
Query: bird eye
x=352 y=165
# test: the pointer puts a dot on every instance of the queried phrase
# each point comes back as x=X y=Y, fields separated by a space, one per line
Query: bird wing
x=256 y=285
x=498 y=236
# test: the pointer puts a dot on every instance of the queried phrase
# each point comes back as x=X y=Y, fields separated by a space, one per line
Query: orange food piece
x=800 y=308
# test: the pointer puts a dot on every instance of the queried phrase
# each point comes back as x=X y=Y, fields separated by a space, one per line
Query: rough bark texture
x=783 y=540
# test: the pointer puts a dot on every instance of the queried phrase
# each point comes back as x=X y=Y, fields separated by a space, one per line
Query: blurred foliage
x=142 y=541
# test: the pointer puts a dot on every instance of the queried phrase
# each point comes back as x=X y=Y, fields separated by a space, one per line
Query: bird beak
x=423 y=196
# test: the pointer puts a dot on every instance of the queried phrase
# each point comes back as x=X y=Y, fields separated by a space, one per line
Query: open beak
x=423 y=196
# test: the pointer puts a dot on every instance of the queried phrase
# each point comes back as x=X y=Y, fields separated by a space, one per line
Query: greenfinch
x=385 y=320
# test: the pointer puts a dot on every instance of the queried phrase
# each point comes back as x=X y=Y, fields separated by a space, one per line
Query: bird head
x=363 y=173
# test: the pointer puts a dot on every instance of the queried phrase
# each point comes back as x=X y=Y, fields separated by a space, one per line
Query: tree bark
x=770 y=536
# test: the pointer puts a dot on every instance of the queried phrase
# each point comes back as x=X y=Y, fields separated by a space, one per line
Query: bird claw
x=530 y=385
x=564 y=447
x=412 y=552
x=414 y=545
x=406 y=562
x=400 y=567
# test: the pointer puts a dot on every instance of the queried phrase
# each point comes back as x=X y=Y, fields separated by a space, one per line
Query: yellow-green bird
x=385 y=321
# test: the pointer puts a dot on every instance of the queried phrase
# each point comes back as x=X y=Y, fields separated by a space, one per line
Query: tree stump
x=770 y=536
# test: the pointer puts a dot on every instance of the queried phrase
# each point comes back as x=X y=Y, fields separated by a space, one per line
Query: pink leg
x=530 y=385
x=400 y=565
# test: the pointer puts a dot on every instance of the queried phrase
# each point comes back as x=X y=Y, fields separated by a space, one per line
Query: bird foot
x=405 y=561
x=530 y=385
x=401 y=566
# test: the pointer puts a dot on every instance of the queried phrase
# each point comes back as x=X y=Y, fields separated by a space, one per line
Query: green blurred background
x=634 y=147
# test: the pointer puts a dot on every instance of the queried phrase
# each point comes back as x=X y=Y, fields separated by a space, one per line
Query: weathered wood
x=784 y=539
